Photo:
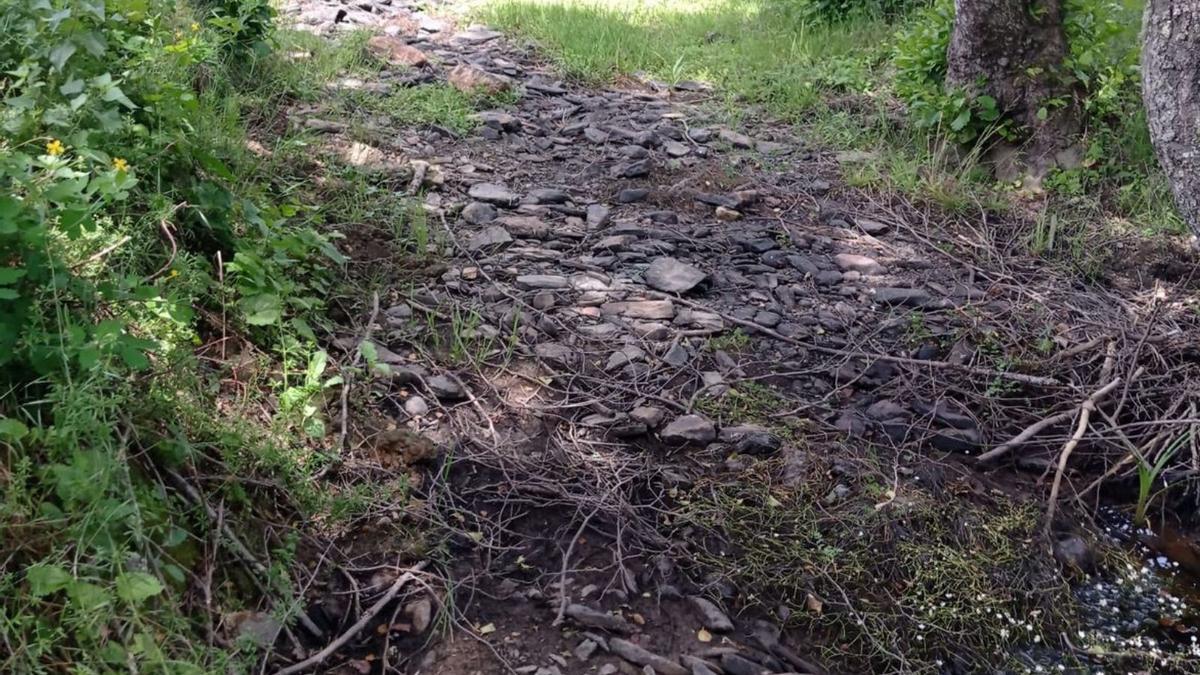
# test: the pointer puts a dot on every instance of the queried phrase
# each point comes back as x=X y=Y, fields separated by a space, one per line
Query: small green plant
x=1148 y=473
x=733 y=341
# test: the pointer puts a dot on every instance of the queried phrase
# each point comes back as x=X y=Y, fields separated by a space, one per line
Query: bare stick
x=562 y=583
x=1021 y=438
x=362 y=622
x=1085 y=414
x=347 y=380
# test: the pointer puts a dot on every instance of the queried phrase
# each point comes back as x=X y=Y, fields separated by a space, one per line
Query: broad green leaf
x=263 y=309
x=87 y=596
x=960 y=122
x=46 y=579
x=12 y=430
x=8 y=294
x=137 y=587
x=60 y=54
x=10 y=275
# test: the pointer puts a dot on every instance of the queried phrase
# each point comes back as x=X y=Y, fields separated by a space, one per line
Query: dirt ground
x=676 y=399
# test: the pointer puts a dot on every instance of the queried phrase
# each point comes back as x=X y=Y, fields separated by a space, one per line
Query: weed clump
x=896 y=576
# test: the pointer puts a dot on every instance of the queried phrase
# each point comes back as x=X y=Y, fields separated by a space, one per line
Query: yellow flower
x=120 y=165
x=172 y=274
x=55 y=148
x=195 y=27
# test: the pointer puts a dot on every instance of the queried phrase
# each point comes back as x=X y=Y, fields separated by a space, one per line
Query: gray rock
x=416 y=407
x=555 y=353
x=532 y=282
x=547 y=196
x=585 y=649
x=597 y=215
x=828 y=277
x=672 y=276
x=631 y=195
x=710 y=615
x=956 y=440
x=758 y=443
x=493 y=194
x=635 y=654
x=648 y=415
x=872 y=227
x=445 y=387
x=767 y=319
x=477 y=35
x=479 y=213
x=636 y=169
x=641 y=309
x=700 y=134
x=857 y=263
x=1074 y=554
x=907 y=297
x=594 y=618
x=885 y=409
x=498 y=120
x=677 y=356
x=489 y=239
x=595 y=135
x=733 y=664
x=690 y=429
x=737 y=140
x=676 y=149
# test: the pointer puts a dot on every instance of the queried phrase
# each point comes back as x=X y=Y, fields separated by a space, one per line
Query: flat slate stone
x=672 y=276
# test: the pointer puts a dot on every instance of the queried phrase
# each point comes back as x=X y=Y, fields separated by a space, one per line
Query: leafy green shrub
x=124 y=208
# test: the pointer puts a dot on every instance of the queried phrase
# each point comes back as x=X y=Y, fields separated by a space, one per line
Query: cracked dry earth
x=630 y=299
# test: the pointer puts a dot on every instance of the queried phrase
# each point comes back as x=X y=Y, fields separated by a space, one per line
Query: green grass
x=749 y=49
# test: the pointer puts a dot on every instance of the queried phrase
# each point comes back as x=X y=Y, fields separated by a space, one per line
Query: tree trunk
x=1013 y=51
x=1171 y=92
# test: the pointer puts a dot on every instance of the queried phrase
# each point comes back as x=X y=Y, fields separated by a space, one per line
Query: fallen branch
x=1085 y=414
x=1021 y=438
x=372 y=611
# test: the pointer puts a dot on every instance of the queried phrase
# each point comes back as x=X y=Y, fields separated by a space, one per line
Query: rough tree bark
x=1171 y=92
x=1013 y=51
